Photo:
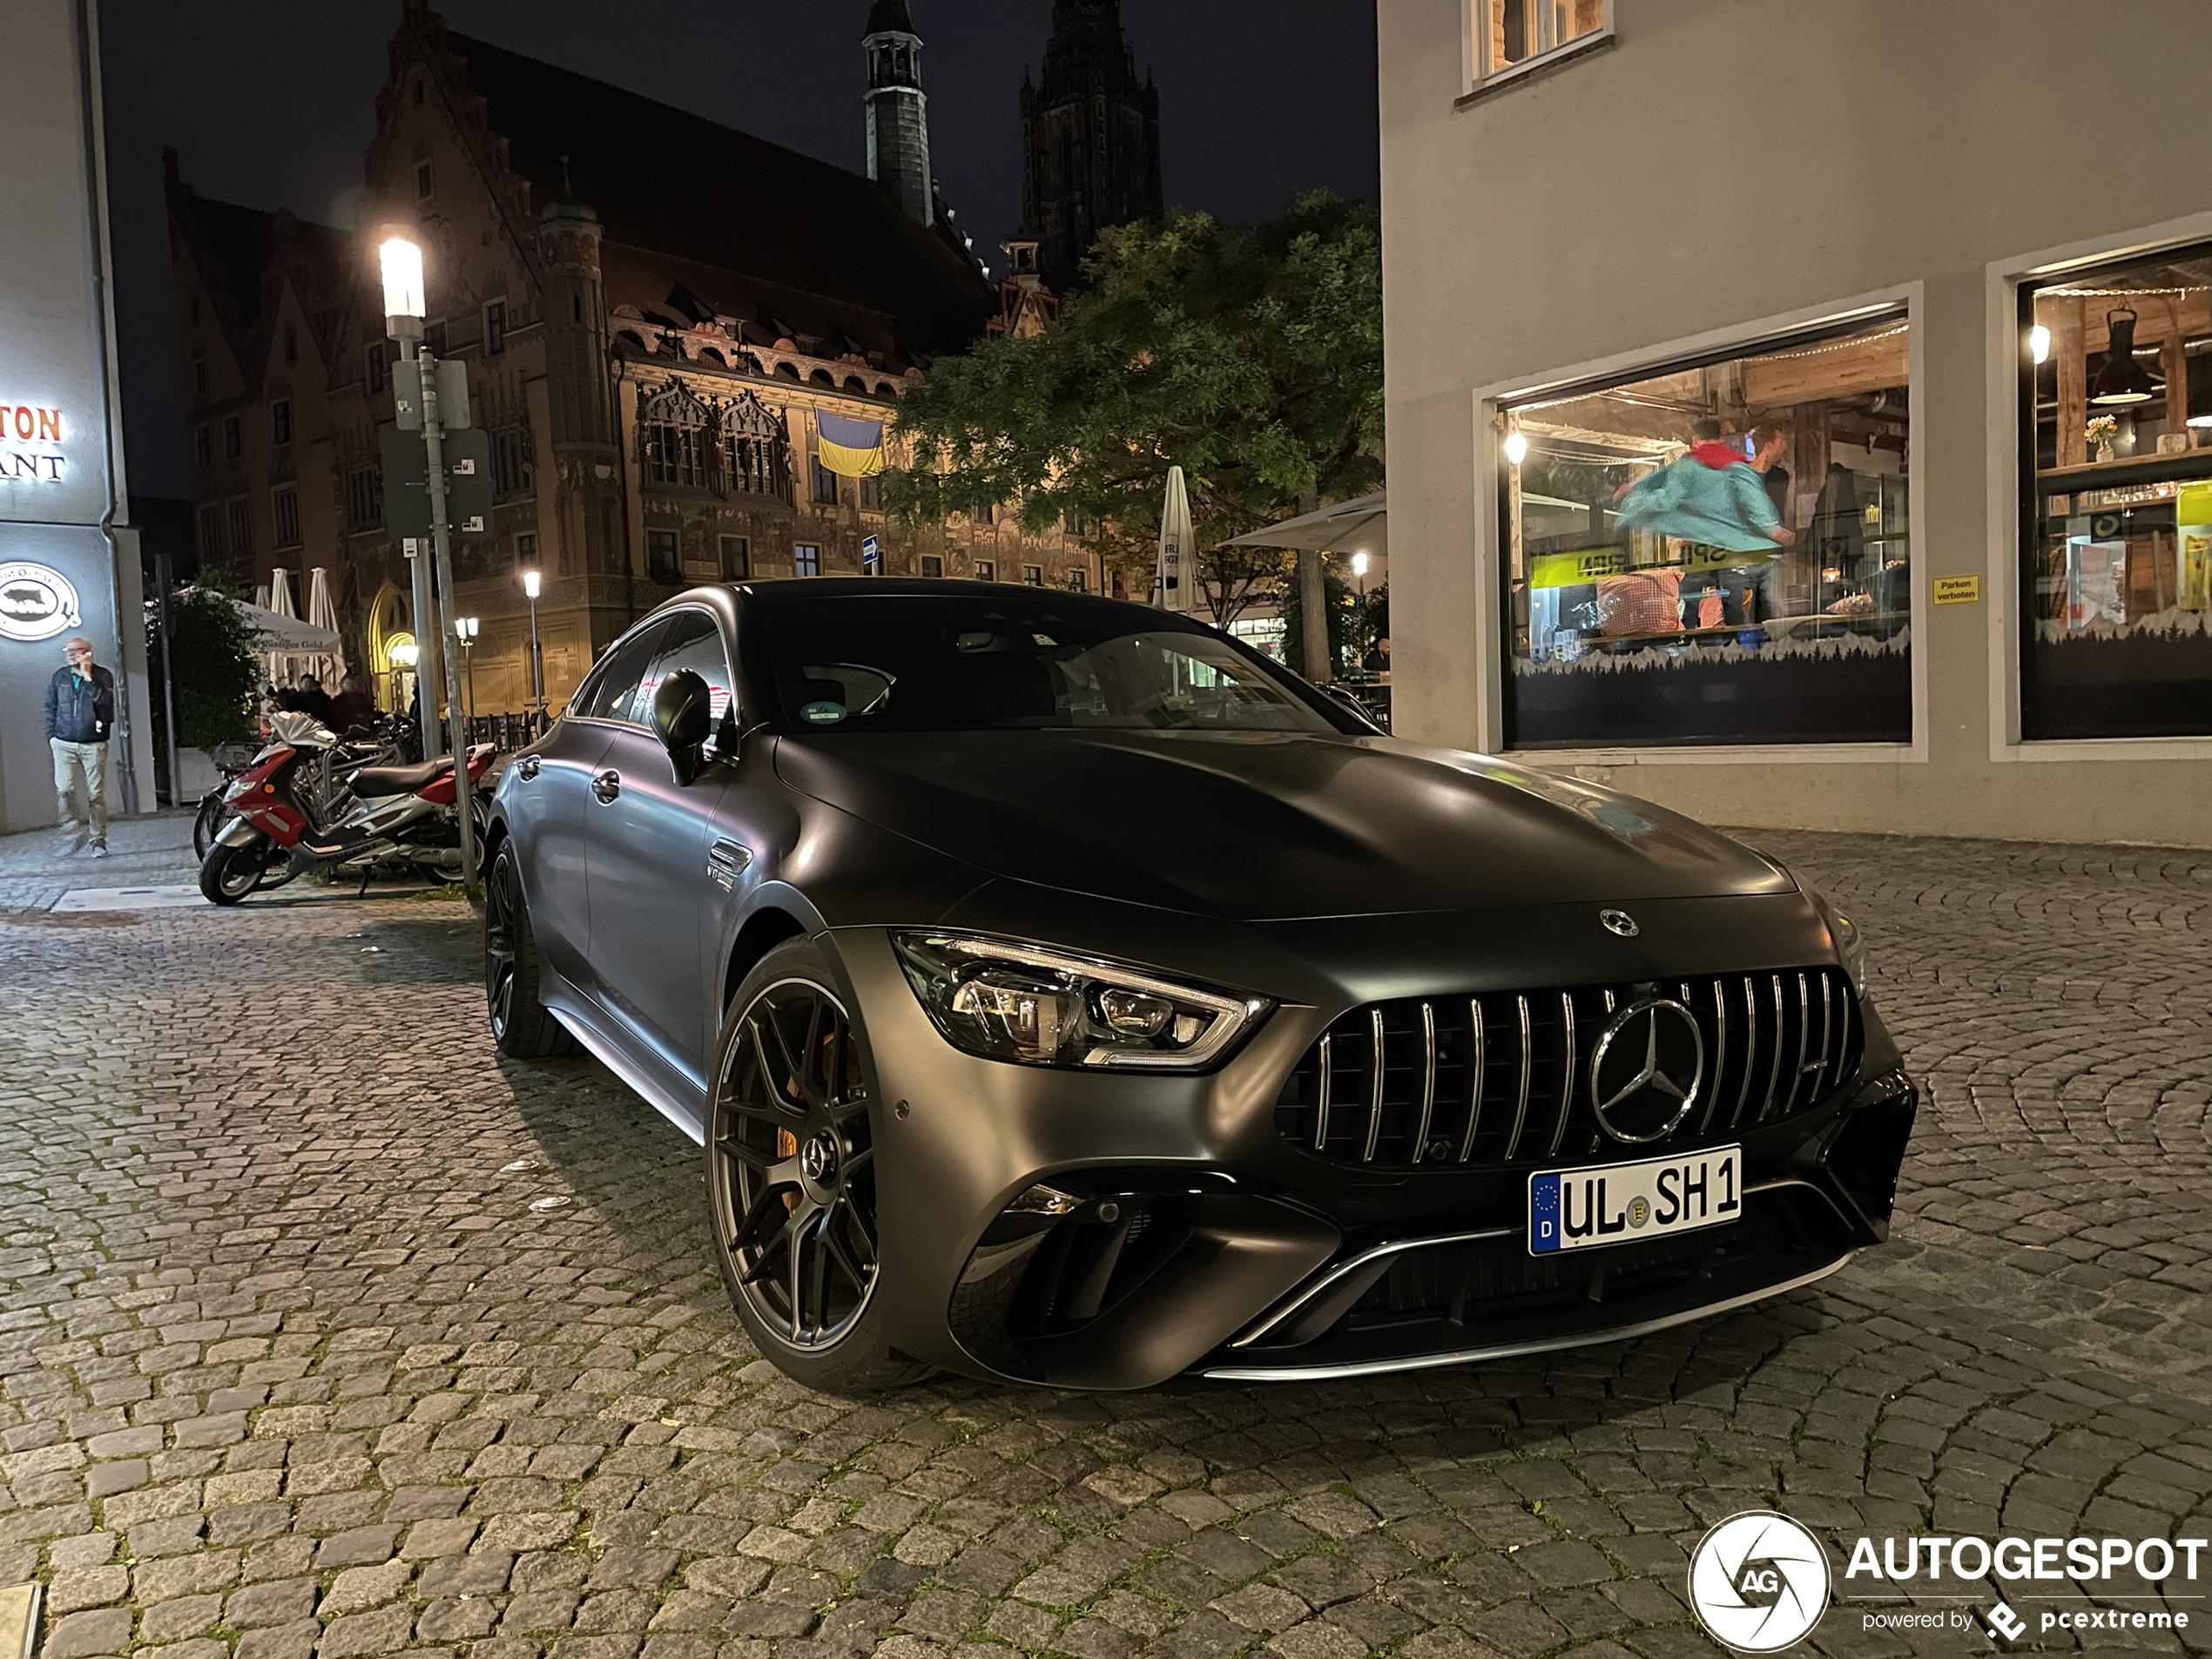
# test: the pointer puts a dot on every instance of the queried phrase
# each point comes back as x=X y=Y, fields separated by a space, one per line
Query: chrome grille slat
x=1321 y=1093
x=1428 y=1083
x=1520 y=1105
x=1432 y=1095
x=1566 y=1070
x=1475 y=1064
x=1374 y=1086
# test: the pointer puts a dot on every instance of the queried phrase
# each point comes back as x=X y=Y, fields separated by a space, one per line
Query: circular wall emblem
x=36 y=602
x=1646 y=1069
x=1758 y=1582
x=1618 y=921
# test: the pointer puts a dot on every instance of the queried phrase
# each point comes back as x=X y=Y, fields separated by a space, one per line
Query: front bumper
x=1190 y=1236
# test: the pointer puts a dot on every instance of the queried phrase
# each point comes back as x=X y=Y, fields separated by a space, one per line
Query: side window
x=615 y=687
x=694 y=642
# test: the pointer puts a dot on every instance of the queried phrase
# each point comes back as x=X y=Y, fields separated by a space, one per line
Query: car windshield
x=919 y=663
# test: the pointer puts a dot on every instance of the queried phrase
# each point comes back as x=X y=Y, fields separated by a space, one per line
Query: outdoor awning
x=287 y=634
x=1360 y=525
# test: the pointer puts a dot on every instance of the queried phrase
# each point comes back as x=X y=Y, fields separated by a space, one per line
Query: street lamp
x=399 y=260
x=1359 y=569
x=465 y=629
x=532 y=581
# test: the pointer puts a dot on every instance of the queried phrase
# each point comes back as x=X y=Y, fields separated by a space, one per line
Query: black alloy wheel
x=522 y=1026
x=792 y=1179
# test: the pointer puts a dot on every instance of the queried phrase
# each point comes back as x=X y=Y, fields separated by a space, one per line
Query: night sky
x=271 y=102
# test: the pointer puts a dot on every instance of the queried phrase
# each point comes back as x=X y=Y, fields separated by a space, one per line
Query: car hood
x=1256 y=827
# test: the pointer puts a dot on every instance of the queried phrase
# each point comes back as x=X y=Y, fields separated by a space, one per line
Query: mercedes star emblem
x=1646 y=1070
x=1618 y=921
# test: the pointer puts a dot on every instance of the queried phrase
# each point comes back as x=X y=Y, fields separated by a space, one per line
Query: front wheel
x=792 y=1179
x=215 y=813
x=232 y=871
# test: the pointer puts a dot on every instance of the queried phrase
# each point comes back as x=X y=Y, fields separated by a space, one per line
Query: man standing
x=80 y=711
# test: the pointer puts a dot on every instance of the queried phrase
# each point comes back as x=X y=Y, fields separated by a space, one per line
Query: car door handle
x=528 y=766
x=607 y=784
x=725 y=860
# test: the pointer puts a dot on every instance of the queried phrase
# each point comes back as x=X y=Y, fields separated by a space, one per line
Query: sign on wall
x=36 y=601
x=30 y=443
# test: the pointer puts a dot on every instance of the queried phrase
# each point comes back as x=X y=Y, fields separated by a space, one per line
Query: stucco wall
x=1723 y=162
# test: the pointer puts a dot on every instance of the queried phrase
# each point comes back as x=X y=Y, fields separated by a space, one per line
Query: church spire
x=898 y=111
x=1090 y=138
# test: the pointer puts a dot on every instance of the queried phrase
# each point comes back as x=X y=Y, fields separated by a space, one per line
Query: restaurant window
x=986 y=570
x=1512 y=35
x=1033 y=575
x=1717 y=552
x=661 y=562
x=2115 y=444
x=280 y=421
x=737 y=558
x=934 y=565
x=806 y=559
x=285 y=506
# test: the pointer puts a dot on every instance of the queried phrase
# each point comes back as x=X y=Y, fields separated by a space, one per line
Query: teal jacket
x=1725 y=506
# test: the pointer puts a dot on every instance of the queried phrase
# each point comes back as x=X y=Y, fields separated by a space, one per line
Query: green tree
x=215 y=668
x=1249 y=355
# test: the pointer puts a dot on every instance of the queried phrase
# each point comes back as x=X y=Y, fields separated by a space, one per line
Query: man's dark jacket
x=80 y=710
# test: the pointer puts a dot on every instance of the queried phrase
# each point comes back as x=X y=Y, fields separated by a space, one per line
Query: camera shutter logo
x=1646 y=1070
x=1758 y=1582
x=36 y=602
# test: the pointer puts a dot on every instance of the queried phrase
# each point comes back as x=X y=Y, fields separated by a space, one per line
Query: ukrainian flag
x=854 y=447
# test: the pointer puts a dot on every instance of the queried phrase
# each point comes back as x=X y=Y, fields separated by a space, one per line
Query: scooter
x=391 y=820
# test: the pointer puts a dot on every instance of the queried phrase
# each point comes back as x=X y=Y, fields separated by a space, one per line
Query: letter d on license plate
x=1621 y=1203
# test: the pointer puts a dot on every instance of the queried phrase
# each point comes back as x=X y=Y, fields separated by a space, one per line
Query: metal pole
x=468 y=657
x=425 y=627
x=441 y=549
x=537 y=668
x=168 y=696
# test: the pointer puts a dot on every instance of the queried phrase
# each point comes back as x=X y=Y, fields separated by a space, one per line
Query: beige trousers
x=88 y=761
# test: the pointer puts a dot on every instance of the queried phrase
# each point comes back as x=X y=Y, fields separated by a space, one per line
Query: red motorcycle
x=388 y=821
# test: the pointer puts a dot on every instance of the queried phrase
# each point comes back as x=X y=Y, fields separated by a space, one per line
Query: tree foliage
x=214 y=668
x=1249 y=355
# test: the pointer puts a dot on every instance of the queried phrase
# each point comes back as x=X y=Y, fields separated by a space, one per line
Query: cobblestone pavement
x=323 y=1332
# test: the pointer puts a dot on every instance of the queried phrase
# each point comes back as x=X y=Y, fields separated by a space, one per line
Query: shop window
x=660 y=557
x=737 y=558
x=1512 y=35
x=280 y=421
x=1715 y=552
x=285 y=507
x=2115 y=448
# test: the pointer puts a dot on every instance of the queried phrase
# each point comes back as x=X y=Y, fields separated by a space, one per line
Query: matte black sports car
x=1064 y=993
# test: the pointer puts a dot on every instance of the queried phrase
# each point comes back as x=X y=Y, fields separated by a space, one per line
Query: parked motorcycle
x=387 y=741
x=387 y=820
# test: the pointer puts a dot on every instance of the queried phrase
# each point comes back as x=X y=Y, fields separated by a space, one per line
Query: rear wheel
x=522 y=1026
x=791 y=1180
x=231 y=872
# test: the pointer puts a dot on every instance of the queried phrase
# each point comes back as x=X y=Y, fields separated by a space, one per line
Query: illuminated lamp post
x=532 y=583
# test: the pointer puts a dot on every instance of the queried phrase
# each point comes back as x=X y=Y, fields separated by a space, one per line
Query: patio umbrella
x=261 y=597
x=280 y=600
x=280 y=666
x=322 y=611
x=283 y=633
x=1361 y=525
x=1179 y=576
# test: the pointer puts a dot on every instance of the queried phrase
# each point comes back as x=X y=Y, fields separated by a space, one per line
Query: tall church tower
x=898 y=110
x=1090 y=138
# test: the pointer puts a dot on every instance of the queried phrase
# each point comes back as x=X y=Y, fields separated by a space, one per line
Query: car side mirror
x=683 y=715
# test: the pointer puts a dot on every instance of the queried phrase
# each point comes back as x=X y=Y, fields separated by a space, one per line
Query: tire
x=212 y=815
x=798 y=1249
x=231 y=872
x=522 y=1026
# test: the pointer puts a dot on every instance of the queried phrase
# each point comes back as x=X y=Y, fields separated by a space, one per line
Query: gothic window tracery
x=724 y=445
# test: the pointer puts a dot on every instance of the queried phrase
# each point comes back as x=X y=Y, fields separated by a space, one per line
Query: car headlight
x=1007 y=1001
x=1850 y=944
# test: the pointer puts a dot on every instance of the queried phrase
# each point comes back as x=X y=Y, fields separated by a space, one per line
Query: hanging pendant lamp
x=2122 y=380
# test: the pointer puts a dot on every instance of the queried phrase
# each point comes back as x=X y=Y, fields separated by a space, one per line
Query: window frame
x=494 y=327
x=233 y=437
x=2008 y=485
x=802 y=555
x=279 y=511
x=743 y=544
x=374 y=366
x=1033 y=575
x=1492 y=658
x=986 y=570
x=1474 y=26
x=280 y=421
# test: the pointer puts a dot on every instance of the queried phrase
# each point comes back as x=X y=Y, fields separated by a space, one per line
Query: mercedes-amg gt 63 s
x=1064 y=993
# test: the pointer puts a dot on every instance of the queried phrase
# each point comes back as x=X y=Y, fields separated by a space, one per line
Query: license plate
x=1621 y=1204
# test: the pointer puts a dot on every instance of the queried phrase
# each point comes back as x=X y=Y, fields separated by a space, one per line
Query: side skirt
x=610 y=1054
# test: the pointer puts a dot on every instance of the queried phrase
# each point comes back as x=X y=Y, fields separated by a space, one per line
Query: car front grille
x=1503 y=1078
